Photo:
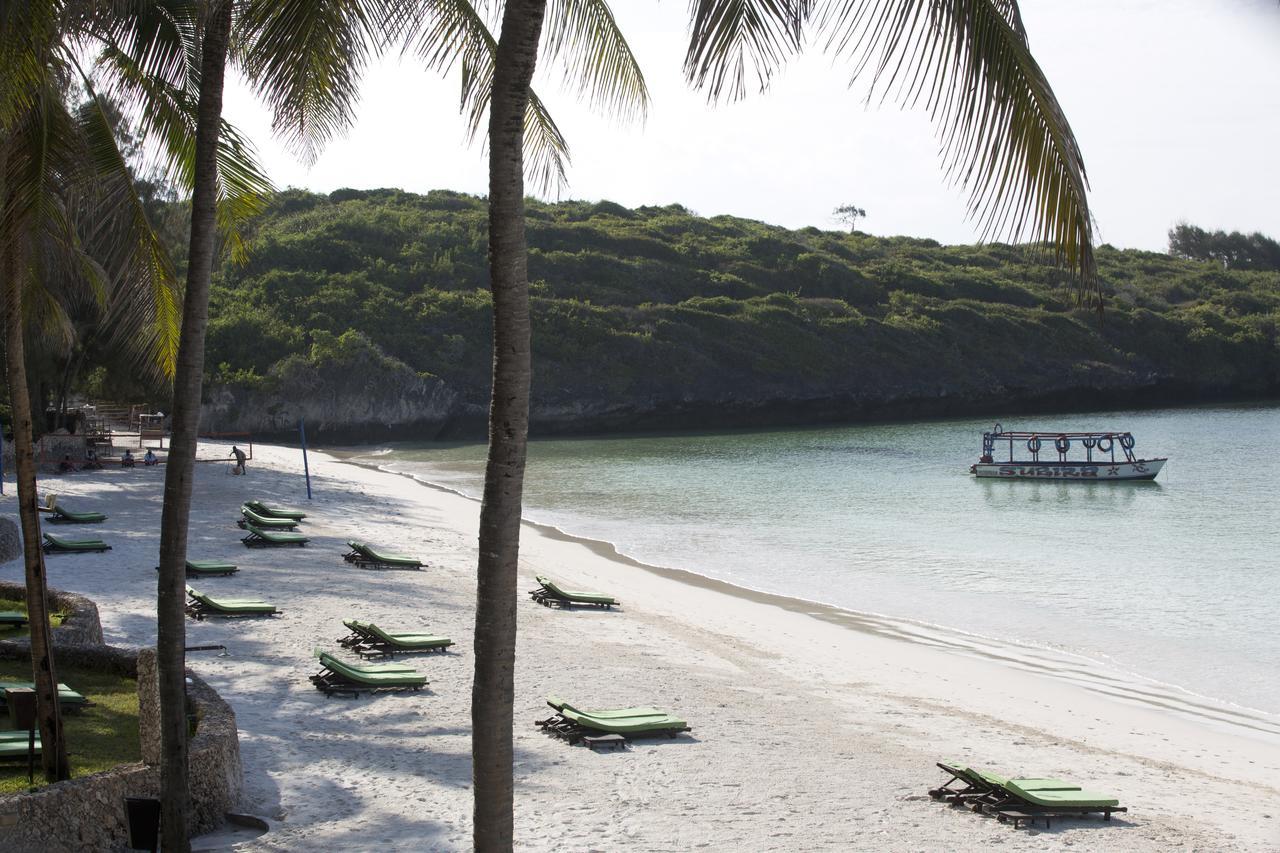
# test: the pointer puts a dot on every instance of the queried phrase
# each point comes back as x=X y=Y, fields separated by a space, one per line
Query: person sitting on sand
x=240 y=456
x=150 y=458
x=91 y=460
x=66 y=466
x=127 y=461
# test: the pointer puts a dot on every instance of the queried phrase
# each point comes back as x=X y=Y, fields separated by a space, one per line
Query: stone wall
x=10 y=540
x=88 y=814
x=82 y=627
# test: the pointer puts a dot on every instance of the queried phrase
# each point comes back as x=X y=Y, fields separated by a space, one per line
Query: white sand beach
x=813 y=729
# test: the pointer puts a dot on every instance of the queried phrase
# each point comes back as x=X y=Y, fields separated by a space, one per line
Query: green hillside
x=656 y=317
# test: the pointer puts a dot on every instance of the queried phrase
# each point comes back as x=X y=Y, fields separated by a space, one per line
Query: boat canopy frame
x=1060 y=442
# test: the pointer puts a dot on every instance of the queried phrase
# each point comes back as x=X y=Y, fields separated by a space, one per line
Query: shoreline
x=1044 y=660
x=807 y=734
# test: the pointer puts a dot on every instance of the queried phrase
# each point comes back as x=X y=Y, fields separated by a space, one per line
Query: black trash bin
x=143 y=816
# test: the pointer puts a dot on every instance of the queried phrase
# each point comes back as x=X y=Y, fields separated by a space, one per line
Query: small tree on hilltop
x=850 y=214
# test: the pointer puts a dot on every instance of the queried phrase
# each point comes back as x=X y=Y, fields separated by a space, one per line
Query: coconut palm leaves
x=1004 y=138
x=581 y=38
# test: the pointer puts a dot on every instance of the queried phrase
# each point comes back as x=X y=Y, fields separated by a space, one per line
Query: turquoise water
x=1177 y=580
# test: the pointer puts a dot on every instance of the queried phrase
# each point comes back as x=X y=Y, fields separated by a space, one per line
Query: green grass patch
x=13 y=633
x=99 y=737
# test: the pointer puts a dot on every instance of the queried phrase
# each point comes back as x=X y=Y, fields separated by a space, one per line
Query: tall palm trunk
x=493 y=692
x=54 y=750
x=180 y=467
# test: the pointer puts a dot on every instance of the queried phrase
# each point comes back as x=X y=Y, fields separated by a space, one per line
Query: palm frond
x=141 y=271
x=28 y=30
x=1003 y=136
x=583 y=37
x=728 y=37
x=305 y=58
x=445 y=33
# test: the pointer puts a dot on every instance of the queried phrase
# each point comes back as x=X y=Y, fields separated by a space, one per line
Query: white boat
x=1098 y=449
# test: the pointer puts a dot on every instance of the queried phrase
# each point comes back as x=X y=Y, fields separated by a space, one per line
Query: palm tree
x=497 y=77
x=1005 y=139
x=71 y=229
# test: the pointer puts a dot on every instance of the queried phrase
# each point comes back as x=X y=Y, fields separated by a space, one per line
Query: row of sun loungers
x=1019 y=801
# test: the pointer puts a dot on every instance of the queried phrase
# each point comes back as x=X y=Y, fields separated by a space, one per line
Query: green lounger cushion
x=272 y=511
x=80 y=517
x=265 y=521
x=1028 y=790
x=66 y=696
x=370 y=668
x=577 y=595
x=75 y=544
x=13 y=617
x=616 y=713
x=625 y=725
x=277 y=537
x=210 y=567
x=372 y=678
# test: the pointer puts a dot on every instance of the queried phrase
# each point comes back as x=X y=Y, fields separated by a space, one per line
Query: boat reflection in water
x=1098 y=450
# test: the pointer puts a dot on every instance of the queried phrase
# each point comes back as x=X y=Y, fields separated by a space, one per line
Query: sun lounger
x=609 y=727
x=272 y=511
x=67 y=697
x=549 y=594
x=62 y=515
x=265 y=522
x=59 y=545
x=369 y=641
x=200 y=605
x=367 y=557
x=13 y=744
x=336 y=676
x=12 y=619
x=1021 y=800
x=259 y=538
x=208 y=568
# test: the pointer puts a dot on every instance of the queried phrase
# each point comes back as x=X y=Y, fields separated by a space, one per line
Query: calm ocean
x=1177 y=581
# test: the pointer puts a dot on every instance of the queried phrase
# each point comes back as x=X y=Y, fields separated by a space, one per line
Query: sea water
x=1175 y=581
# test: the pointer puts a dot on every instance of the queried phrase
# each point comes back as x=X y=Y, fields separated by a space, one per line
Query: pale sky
x=1175 y=103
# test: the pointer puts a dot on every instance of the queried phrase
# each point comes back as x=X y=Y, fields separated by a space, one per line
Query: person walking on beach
x=239 y=454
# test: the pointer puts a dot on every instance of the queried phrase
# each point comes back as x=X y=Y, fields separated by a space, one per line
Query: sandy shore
x=813 y=729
